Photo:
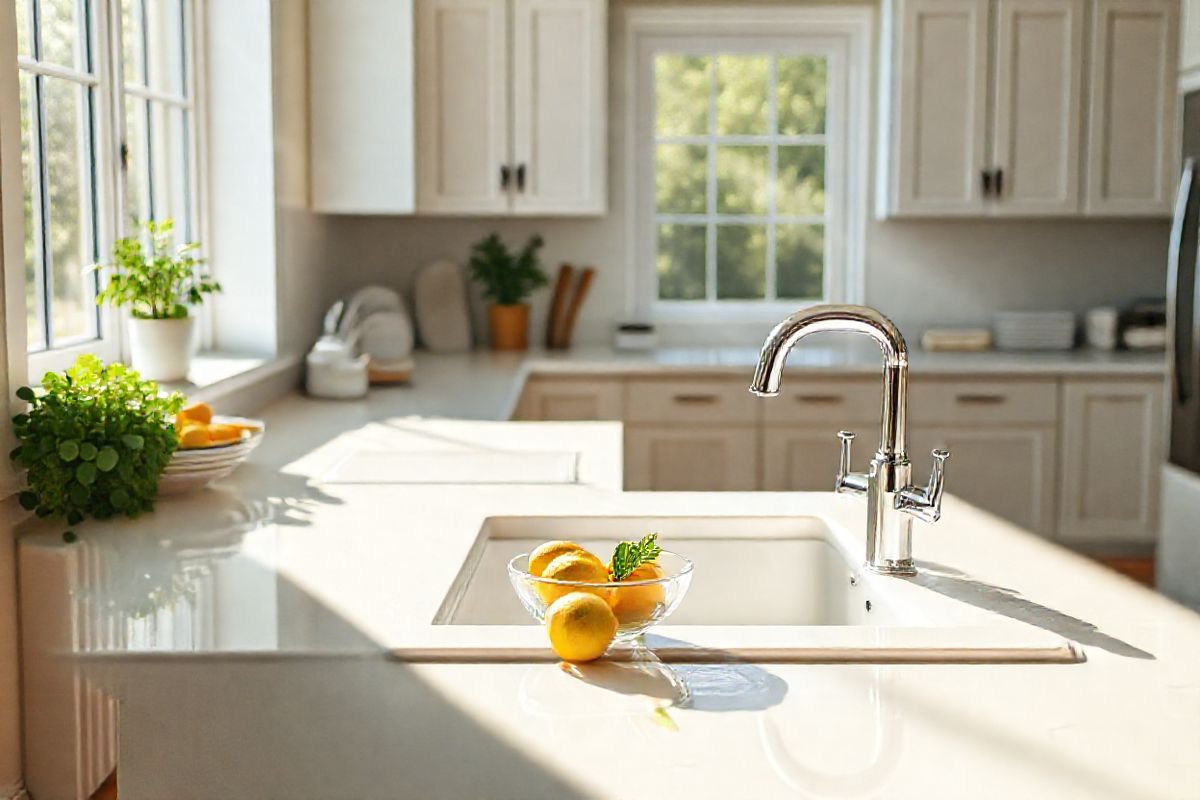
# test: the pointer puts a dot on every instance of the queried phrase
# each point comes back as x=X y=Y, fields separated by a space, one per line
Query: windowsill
x=237 y=382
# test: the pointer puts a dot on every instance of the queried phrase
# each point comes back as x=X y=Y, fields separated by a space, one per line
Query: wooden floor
x=1140 y=569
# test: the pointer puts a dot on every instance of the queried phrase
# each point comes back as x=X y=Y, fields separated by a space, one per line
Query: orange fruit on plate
x=581 y=626
x=637 y=604
x=578 y=567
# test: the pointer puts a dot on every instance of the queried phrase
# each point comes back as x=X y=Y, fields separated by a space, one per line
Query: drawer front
x=553 y=400
x=982 y=402
x=689 y=401
x=836 y=403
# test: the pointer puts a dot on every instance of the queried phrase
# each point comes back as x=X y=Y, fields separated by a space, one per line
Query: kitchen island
x=241 y=640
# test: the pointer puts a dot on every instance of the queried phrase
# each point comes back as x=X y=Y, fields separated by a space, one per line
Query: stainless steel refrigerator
x=1179 y=542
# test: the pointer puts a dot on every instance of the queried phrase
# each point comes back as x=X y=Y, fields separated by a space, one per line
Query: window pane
x=164 y=42
x=681 y=94
x=742 y=94
x=680 y=178
x=800 y=186
x=34 y=320
x=60 y=31
x=802 y=95
x=24 y=46
x=741 y=262
x=137 y=208
x=132 y=42
x=799 y=260
x=72 y=310
x=681 y=258
x=168 y=166
x=741 y=180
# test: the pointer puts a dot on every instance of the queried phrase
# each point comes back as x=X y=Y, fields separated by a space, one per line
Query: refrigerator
x=1179 y=539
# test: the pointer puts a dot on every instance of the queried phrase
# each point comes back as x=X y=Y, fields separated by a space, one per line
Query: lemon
x=581 y=626
x=543 y=554
x=636 y=604
x=583 y=567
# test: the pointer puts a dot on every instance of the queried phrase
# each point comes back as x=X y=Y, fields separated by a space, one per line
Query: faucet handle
x=848 y=482
x=926 y=504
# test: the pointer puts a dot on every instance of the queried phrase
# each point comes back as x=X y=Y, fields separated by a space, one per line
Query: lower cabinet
x=804 y=459
x=552 y=399
x=1112 y=443
x=1008 y=471
x=686 y=459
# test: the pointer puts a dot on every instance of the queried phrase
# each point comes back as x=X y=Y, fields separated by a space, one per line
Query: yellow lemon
x=543 y=554
x=581 y=626
x=583 y=567
x=198 y=412
x=635 y=604
x=193 y=435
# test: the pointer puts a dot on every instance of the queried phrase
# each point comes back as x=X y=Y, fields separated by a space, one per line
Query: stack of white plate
x=192 y=469
x=1035 y=330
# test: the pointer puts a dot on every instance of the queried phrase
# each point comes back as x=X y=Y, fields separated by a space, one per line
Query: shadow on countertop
x=959 y=586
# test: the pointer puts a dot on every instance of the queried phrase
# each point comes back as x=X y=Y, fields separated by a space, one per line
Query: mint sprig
x=628 y=556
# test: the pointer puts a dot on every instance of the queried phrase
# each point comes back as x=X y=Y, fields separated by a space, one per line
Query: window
x=108 y=136
x=745 y=163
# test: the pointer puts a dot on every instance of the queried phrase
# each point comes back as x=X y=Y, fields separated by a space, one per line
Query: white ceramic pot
x=162 y=349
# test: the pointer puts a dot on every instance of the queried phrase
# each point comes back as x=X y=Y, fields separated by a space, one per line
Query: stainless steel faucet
x=892 y=501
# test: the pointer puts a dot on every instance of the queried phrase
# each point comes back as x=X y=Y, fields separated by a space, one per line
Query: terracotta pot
x=510 y=326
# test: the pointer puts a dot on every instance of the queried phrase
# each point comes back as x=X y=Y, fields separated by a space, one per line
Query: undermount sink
x=782 y=589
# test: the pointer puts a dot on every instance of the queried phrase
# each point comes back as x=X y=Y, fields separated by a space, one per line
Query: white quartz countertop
x=243 y=631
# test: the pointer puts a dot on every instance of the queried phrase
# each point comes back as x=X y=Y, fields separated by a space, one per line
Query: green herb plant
x=507 y=278
x=628 y=556
x=161 y=283
x=94 y=442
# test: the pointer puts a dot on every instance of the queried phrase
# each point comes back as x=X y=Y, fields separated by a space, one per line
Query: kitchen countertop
x=243 y=631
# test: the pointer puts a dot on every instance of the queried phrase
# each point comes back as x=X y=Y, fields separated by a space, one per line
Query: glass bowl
x=639 y=605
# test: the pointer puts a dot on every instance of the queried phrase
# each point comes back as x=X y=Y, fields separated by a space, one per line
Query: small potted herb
x=507 y=281
x=94 y=442
x=158 y=287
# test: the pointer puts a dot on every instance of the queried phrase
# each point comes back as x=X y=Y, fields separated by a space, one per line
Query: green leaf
x=106 y=459
x=87 y=451
x=69 y=537
x=85 y=473
x=133 y=441
x=119 y=499
x=79 y=496
x=26 y=394
x=68 y=450
x=28 y=500
x=20 y=420
x=628 y=556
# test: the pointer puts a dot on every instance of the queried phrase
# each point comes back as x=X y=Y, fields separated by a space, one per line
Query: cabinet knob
x=999 y=183
x=986 y=179
x=505 y=176
x=521 y=178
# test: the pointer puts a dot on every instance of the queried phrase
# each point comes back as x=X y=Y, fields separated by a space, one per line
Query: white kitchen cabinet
x=529 y=142
x=939 y=107
x=805 y=458
x=570 y=399
x=708 y=458
x=1038 y=107
x=1112 y=451
x=361 y=138
x=1189 y=50
x=462 y=106
x=1009 y=470
x=1131 y=153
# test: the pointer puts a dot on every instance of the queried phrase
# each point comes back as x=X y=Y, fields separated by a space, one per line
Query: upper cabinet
x=493 y=107
x=511 y=106
x=1189 y=50
x=985 y=108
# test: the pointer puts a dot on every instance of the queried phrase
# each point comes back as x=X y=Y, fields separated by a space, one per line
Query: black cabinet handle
x=999 y=183
x=987 y=182
x=520 y=177
x=505 y=175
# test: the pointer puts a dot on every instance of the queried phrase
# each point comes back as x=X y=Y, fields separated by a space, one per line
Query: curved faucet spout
x=849 y=319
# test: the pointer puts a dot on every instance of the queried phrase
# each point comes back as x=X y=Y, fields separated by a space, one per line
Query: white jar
x=161 y=349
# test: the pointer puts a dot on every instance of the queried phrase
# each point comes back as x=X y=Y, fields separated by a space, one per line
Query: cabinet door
x=805 y=459
x=1131 y=154
x=559 y=106
x=1189 y=55
x=546 y=399
x=1008 y=471
x=1035 y=125
x=1112 y=451
x=940 y=107
x=700 y=459
x=462 y=105
x=362 y=138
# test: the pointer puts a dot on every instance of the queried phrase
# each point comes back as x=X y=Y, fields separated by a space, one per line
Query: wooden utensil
x=561 y=286
x=567 y=328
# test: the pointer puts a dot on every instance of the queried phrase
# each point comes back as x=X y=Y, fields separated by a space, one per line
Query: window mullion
x=772 y=173
x=710 y=202
x=43 y=180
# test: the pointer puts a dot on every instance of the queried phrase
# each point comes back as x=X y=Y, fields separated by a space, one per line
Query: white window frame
x=111 y=223
x=843 y=36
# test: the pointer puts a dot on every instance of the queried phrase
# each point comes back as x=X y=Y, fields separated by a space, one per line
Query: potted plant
x=507 y=281
x=158 y=286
